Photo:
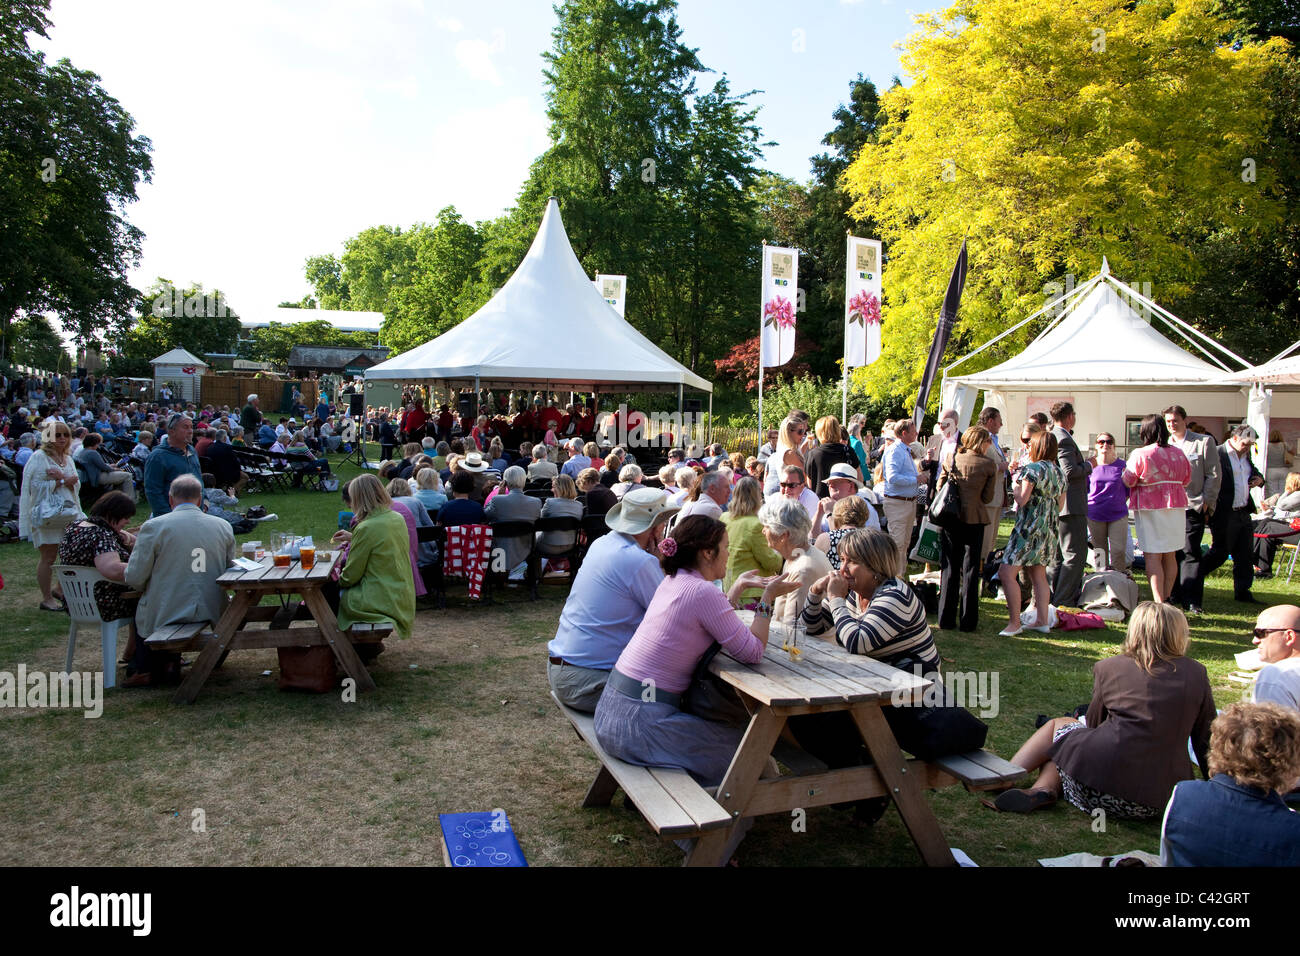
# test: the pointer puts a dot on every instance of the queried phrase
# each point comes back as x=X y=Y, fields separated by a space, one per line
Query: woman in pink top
x=639 y=717
x=1158 y=474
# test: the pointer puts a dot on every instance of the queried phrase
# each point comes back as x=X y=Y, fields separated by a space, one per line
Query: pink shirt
x=1158 y=478
x=685 y=617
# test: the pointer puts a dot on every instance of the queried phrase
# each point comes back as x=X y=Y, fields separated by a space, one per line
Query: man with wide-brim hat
x=842 y=482
x=618 y=579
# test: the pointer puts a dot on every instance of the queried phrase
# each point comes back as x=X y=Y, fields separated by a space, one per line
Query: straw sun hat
x=639 y=510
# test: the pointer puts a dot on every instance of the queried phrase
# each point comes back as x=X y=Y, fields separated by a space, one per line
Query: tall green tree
x=38 y=345
x=69 y=165
x=274 y=342
x=1056 y=132
x=167 y=317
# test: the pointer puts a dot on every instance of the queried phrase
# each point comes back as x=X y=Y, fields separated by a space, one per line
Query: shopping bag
x=927 y=543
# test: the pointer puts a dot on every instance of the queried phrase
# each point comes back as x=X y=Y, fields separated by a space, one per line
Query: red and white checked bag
x=469 y=549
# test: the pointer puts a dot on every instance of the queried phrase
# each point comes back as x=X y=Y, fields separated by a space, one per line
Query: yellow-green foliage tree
x=1053 y=132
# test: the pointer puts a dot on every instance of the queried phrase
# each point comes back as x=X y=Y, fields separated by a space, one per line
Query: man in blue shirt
x=265 y=434
x=608 y=599
x=901 y=486
x=171 y=457
x=577 y=460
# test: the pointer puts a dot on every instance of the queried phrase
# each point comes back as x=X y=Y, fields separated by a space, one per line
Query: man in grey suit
x=1067 y=576
x=515 y=506
x=1202 y=494
x=176 y=561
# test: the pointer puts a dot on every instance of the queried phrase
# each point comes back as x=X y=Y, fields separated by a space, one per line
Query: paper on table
x=246 y=564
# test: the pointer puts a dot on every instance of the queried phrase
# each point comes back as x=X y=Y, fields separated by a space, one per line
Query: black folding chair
x=574 y=552
x=434 y=580
x=503 y=531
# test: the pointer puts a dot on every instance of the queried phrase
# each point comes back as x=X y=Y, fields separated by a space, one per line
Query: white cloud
x=475 y=56
x=450 y=24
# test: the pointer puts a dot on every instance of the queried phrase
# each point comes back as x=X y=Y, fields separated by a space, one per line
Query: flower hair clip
x=667 y=547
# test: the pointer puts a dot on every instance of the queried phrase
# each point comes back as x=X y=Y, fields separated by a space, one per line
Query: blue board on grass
x=480 y=839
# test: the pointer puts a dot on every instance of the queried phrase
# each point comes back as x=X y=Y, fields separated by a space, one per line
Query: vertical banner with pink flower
x=862 y=303
x=780 y=298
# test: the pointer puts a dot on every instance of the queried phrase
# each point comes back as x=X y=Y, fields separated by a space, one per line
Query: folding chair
x=506 y=531
x=78 y=585
x=573 y=553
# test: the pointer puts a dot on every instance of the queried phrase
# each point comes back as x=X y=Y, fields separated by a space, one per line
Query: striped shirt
x=892 y=628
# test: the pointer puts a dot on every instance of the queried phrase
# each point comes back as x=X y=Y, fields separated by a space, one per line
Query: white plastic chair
x=79 y=591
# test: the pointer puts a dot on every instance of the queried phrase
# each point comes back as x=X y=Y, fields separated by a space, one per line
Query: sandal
x=1023 y=801
x=57 y=609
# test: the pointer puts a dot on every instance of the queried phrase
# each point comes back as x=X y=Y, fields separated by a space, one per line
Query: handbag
x=928 y=732
x=54 y=510
x=945 y=507
x=710 y=697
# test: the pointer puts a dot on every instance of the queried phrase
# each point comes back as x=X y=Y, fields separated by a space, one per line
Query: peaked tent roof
x=1102 y=340
x=547 y=324
x=178 y=356
x=1279 y=370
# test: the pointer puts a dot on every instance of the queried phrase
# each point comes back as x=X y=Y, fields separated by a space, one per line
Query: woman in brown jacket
x=976 y=477
x=1146 y=703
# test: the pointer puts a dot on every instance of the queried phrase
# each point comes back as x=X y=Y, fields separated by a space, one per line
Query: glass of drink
x=307 y=553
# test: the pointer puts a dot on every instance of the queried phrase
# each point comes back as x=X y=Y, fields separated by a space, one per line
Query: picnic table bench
x=824 y=679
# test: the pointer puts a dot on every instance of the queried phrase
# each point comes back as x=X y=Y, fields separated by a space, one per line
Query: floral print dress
x=1035 y=538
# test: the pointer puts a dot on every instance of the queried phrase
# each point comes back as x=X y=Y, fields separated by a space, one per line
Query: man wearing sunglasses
x=1277 y=635
x=1202 y=494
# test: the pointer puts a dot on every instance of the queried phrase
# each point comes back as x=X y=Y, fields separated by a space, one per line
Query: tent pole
x=709 y=437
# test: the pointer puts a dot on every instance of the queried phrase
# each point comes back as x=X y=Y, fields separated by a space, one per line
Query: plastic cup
x=282 y=559
x=307 y=555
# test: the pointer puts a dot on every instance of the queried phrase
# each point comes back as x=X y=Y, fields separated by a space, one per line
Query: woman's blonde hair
x=1257 y=745
x=873 y=549
x=367 y=496
x=588 y=478
x=409 y=449
x=788 y=440
x=564 y=487
x=827 y=429
x=973 y=437
x=399 y=488
x=495 y=448
x=850 y=512
x=590 y=450
x=1292 y=482
x=428 y=479
x=50 y=433
x=1156 y=632
x=746 y=498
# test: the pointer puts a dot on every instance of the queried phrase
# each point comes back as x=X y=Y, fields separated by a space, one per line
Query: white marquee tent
x=1106 y=358
x=547 y=328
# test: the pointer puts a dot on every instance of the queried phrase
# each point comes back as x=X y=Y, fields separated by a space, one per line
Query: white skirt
x=1162 y=531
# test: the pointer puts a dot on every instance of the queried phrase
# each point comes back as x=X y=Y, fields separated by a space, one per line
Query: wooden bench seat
x=980 y=769
x=369 y=633
x=670 y=800
x=179 y=637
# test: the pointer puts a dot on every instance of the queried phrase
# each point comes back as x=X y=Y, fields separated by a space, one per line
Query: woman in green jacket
x=376 y=583
x=747 y=549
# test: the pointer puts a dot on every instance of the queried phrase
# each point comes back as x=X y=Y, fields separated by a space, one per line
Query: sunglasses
x=1105 y=441
x=791 y=484
x=1263 y=632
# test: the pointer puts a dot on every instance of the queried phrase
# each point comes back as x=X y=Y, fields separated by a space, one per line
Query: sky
x=281 y=128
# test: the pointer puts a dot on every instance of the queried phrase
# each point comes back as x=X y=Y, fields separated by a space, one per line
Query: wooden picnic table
x=249 y=588
x=824 y=678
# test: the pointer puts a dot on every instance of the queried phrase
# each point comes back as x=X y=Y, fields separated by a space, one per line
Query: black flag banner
x=947 y=318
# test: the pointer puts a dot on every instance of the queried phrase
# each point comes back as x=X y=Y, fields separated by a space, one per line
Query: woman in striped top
x=869 y=608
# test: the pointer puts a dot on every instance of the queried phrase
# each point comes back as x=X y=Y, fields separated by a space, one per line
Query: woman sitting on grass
x=376 y=584
x=1132 y=750
x=685 y=617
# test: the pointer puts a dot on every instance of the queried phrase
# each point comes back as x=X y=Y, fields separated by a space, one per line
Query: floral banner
x=862 y=303
x=613 y=289
x=779 y=305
